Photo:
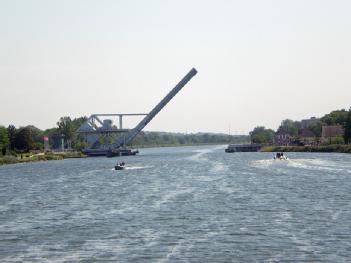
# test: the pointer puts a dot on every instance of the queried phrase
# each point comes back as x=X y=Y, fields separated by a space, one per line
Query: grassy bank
x=338 y=148
x=30 y=157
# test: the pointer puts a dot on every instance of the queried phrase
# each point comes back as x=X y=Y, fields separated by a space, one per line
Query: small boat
x=120 y=166
x=280 y=156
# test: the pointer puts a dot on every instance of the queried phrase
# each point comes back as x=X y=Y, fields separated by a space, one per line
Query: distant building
x=282 y=138
x=307 y=122
x=307 y=137
x=330 y=132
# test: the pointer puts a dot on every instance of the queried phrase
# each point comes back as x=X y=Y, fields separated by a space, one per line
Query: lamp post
x=62 y=143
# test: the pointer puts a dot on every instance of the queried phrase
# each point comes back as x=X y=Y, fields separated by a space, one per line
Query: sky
x=258 y=62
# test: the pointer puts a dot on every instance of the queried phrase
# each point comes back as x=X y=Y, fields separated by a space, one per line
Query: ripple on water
x=195 y=204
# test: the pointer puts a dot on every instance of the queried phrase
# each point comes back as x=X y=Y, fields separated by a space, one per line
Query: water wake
x=202 y=156
x=309 y=164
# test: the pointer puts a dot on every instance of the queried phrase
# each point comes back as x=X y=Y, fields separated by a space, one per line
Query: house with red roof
x=330 y=132
x=307 y=137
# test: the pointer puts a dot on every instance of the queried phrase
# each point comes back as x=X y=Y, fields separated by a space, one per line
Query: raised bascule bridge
x=105 y=134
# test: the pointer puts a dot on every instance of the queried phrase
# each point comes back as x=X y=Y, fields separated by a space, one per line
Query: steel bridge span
x=106 y=135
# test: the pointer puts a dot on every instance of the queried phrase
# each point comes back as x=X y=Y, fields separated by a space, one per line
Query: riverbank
x=174 y=145
x=30 y=157
x=337 y=148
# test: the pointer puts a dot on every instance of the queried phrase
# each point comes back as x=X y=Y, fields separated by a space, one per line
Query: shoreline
x=28 y=157
x=332 y=148
x=49 y=156
x=40 y=157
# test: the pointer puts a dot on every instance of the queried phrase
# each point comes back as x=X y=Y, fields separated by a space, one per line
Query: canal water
x=186 y=204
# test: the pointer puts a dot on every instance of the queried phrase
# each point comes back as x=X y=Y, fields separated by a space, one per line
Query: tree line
x=30 y=138
x=261 y=134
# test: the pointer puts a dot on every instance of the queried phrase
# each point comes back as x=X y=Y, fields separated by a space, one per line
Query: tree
x=37 y=135
x=24 y=139
x=77 y=122
x=347 y=134
x=289 y=126
x=261 y=135
x=335 y=117
x=12 y=131
x=316 y=128
x=4 y=140
x=66 y=127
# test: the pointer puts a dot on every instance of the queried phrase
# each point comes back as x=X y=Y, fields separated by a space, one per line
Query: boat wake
x=201 y=156
x=134 y=167
x=137 y=167
x=309 y=164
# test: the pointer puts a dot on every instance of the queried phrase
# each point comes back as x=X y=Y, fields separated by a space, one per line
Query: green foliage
x=79 y=143
x=347 y=134
x=4 y=140
x=37 y=136
x=164 y=139
x=289 y=126
x=261 y=135
x=335 y=117
x=25 y=139
x=316 y=128
x=8 y=159
x=337 y=140
x=67 y=127
x=11 y=130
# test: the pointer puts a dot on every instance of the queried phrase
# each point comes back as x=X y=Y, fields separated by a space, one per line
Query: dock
x=243 y=148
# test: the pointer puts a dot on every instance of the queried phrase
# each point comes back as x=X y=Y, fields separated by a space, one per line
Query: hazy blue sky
x=258 y=61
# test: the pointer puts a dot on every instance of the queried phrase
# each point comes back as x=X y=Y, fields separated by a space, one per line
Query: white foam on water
x=224 y=187
x=171 y=196
x=310 y=164
x=262 y=163
x=314 y=164
x=219 y=167
x=200 y=153
x=120 y=211
x=133 y=168
x=175 y=250
x=200 y=156
x=137 y=167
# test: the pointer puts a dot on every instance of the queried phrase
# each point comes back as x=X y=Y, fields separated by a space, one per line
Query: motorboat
x=280 y=156
x=120 y=166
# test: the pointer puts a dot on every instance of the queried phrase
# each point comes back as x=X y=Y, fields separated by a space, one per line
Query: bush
x=51 y=156
x=8 y=159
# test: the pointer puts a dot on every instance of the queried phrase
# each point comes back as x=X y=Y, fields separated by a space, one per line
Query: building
x=307 y=137
x=307 y=122
x=330 y=132
x=282 y=138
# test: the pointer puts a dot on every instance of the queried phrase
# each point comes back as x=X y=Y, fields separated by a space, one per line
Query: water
x=190 y=204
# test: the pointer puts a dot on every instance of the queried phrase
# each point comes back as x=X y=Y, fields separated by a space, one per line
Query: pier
x=243 y=148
